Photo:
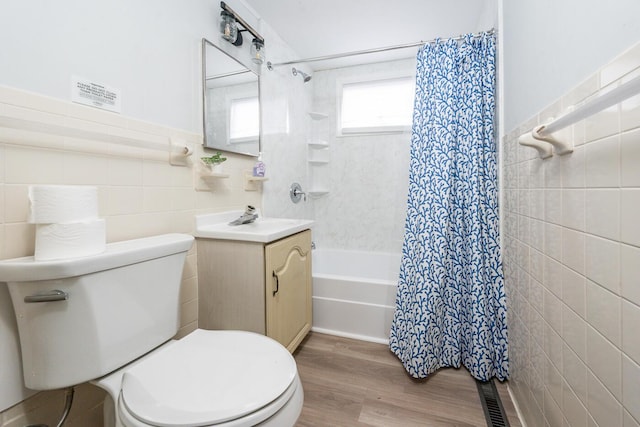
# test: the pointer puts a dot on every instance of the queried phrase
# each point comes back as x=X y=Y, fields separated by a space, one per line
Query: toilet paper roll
x=70 y=240
x=62 y=203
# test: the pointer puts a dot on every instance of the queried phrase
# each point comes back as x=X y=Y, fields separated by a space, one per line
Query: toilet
x=110 y=318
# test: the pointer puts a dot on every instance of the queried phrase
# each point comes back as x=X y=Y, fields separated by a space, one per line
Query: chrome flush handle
x=54 y=295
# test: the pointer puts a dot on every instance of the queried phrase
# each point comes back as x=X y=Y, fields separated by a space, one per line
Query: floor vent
x=491 y=404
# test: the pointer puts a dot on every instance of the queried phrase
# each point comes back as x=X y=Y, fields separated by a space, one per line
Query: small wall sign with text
x=97 y=95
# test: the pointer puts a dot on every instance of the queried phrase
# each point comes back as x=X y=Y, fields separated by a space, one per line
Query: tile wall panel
x=574 y=345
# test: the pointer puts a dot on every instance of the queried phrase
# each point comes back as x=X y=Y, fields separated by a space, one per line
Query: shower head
x=305 y=77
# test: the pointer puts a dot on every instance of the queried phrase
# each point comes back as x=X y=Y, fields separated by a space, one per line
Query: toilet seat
x=282 y=412
x=209 y=378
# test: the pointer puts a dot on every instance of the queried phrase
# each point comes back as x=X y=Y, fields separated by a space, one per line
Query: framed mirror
x=231 y=103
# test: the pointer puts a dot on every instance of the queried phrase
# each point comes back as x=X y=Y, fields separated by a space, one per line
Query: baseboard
x=348 y=335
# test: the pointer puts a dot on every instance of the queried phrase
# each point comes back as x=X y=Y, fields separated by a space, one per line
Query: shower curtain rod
x=374 y=50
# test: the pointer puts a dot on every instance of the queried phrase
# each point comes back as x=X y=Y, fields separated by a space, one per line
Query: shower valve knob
x=296 y=193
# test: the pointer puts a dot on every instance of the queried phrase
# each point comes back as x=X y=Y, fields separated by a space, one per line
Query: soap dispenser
x=259 y=168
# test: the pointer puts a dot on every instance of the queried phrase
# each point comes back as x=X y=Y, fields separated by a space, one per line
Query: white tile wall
x=630 y=322
x=574 y=411
x=575 y=372
x=631 y=386
x=602 y=208
x=577 y=215
x=574 y=291
x=574 y=331
x=629 y=154
x=602 y=405
x=603 y=312
x=629 y=208
x=630 y=273
x=602 y=258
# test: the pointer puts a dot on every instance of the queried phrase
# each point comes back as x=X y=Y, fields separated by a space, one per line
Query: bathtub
x=354 y=293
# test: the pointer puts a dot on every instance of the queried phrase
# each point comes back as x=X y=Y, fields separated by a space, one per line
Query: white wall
x=148 y=50
x=551 y=46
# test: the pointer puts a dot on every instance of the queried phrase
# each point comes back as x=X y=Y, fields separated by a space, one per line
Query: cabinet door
x=288 y=289
x=231 y=285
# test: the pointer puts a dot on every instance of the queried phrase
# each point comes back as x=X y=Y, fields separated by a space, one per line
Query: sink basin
x=264 y=230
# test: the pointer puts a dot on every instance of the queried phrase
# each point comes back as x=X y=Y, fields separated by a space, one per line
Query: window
x=244 y=120
x=377 y=106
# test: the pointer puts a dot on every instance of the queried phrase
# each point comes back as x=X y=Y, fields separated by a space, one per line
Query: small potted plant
x=214 y=162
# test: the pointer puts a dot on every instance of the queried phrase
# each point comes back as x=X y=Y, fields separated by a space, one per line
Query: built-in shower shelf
x=318 y=153
x=318 y=144
x=317 y=193
x=317 y=115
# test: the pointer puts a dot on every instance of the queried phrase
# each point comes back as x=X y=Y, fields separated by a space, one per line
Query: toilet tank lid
x=117 y=254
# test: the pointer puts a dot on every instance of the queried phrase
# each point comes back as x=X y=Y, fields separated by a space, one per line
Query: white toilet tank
x=120 y=305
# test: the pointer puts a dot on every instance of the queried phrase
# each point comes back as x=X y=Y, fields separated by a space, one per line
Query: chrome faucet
x=247 y=217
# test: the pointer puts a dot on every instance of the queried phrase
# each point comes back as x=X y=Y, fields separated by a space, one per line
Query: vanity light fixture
x=257 y=51
x=231 y=28
x=228 y=27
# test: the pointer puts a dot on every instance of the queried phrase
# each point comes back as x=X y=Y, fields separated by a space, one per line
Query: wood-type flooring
x=356 y=383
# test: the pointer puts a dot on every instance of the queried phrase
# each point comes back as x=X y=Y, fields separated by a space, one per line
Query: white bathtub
x=354 y=293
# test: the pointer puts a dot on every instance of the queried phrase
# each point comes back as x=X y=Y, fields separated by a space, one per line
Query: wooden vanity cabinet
x=258 y=287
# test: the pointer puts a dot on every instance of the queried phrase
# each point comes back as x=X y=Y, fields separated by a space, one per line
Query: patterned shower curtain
x=450 y=306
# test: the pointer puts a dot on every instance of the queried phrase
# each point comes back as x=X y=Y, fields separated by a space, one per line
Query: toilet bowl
x=109 y=319
x=208 y=378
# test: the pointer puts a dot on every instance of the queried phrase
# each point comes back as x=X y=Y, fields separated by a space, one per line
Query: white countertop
x=264 y=230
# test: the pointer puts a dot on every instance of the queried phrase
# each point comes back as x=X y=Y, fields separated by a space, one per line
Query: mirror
x=231 y=103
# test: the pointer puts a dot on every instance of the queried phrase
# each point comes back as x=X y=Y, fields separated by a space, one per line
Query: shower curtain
x=450 y=305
